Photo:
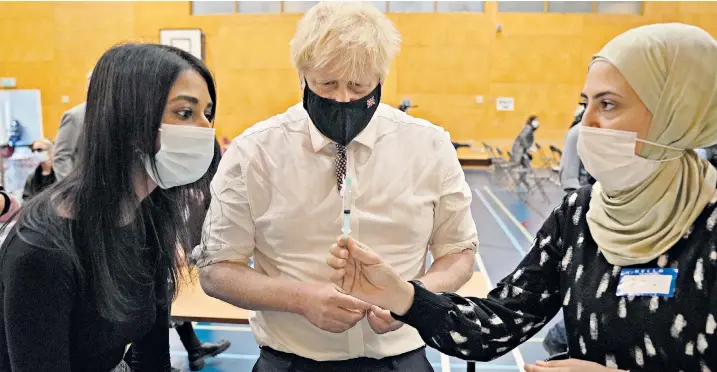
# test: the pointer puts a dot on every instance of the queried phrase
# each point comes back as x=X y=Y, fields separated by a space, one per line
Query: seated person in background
x=92 y=265
x=278 y=194
x=44 y=175
x=631 y=259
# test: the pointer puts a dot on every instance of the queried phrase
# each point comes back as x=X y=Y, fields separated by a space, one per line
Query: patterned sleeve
x=522 y=303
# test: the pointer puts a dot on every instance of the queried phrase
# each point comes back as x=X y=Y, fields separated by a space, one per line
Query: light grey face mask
x=609 y=156
x=42 y=156
x=184 y=156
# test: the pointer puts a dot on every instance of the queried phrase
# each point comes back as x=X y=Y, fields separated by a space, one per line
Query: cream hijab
x=672 y=69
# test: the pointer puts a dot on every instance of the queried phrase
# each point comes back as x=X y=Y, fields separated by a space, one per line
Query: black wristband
x=418 y=283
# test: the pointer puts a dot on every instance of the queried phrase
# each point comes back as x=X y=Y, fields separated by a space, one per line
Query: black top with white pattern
x=565 y=268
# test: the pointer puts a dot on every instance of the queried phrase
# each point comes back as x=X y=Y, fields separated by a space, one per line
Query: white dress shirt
x=275 y=199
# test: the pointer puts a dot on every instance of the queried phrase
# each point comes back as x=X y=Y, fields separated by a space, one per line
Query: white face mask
x=42 y=156
x=609 y=156
x=535 y=124
x=184 y=157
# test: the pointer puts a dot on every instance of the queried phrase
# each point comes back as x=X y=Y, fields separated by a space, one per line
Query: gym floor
x=506 y=226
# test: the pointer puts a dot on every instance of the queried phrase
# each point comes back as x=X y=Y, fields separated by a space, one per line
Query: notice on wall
x=505 y=104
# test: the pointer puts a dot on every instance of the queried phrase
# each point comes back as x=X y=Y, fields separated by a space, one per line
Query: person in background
x=44 y=175
x=279 y=197
x=71 y=126
x=630 y=259
x=572 y=172
x=520 y=152
x=92 y=264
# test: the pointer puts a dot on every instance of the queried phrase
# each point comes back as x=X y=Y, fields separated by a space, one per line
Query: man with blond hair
x=279 y=198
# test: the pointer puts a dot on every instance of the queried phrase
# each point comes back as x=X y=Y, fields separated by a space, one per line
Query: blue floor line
x=500 y=223
x=220 y=356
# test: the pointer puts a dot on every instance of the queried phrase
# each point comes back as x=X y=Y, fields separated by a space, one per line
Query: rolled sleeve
x=228 y=231
x=453 y=228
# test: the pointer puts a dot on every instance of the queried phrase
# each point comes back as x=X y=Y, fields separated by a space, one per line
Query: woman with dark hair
x=92 y=263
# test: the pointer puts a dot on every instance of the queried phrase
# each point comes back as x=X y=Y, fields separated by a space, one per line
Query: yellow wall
x=446 y=59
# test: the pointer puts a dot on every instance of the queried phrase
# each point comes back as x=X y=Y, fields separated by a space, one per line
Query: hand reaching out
x=381 y=320
x=363 y=274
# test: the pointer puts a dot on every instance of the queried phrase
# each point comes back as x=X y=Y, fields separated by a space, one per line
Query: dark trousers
x=271 y=360
x=556 y=342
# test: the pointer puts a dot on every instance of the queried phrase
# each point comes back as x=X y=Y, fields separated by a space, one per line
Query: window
x=520 y=6
x=570 y=6
x=212 y=7
x=461 y=6
x=411 y=6
x=259 y=6
x=298 y=6
x=619 y=7
x=380 y=5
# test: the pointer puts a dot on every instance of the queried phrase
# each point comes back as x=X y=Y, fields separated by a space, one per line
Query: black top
x=48 y=325
x=37 y=182
x=565 y=269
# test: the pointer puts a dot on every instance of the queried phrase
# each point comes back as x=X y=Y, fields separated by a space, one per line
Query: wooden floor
x=506 y=226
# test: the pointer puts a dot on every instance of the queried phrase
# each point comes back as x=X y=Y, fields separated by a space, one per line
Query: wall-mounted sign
x=191 y=41
x=505 y=104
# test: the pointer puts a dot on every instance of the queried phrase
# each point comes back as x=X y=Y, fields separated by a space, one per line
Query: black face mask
x=341 y=122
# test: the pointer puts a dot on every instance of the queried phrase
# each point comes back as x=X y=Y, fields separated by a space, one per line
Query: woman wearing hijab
x=632 y=259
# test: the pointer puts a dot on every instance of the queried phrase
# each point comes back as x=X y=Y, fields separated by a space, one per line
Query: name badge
x=647 y=282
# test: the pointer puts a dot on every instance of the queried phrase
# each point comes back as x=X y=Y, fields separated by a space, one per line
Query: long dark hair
x=127 y=95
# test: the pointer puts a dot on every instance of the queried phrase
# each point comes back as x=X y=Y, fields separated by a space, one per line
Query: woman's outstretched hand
x=362 y=273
